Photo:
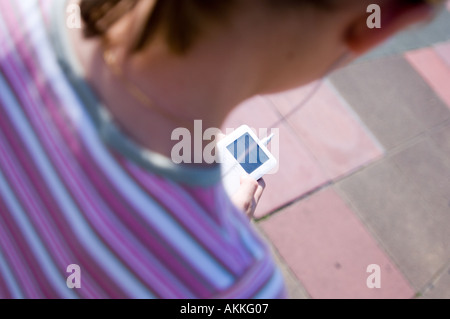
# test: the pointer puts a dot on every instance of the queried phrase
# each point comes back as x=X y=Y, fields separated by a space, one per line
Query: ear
x=394 y=18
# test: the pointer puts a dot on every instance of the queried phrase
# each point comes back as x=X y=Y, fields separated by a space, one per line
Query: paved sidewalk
x=364 y=176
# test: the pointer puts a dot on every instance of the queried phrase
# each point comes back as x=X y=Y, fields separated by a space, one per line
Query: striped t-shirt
x=87 y=213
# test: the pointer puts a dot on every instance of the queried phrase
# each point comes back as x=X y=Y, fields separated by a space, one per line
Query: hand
x=248 y=195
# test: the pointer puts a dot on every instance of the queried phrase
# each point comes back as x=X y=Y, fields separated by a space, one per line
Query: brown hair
x=181 y=19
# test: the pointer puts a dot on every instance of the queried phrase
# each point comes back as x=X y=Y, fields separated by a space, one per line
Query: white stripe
x=110 y=264
x=153 y=213
x=21 y=269
x=147 y=207
x=8 y=277
x=45 y=55
x=46 y=58
x=248 y=236
x=33 y=240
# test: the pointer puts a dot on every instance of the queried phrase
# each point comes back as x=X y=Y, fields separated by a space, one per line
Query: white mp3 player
x=241 y=153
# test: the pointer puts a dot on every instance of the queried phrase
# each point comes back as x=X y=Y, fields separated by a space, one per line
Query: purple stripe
x=30 y=263
x=25 y=279
x=4 y=293
x=85 y=193
x=45 y=196
x=25 y=159
x=30 y=202
x=30 y=198
x=190 y=219
x=145 y=236
x=130 y=247
x=256 y=277
x=181 y=265
x=61 y=167
x=194 y=278
x=23 y=97
x=44 y=6
x=48 y=234
x=40 y=185
x=168 y=258
x=205 y=198
x=282 y=294
x=112 y=235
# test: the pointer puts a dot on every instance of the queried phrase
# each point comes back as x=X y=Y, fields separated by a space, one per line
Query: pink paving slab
x=443 y=50
x=329 y=128
x=433 y=69
x=298 y=171
x=329 y=250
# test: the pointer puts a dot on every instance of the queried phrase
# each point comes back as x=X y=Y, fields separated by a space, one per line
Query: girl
x=91 y=206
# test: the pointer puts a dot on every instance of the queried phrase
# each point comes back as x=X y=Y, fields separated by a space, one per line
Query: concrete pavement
x=364 y=176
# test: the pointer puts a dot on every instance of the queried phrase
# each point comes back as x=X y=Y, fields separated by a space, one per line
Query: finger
x=260 y=189
x=249 y=186
x=244 y=198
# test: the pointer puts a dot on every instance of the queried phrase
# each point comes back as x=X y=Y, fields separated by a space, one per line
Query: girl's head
x=286 y=37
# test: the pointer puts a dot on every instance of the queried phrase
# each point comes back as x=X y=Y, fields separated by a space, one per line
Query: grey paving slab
x=391 y=98
x=416 y=37
x=441 y=137
x=405 y=224
x=426 y=165
x=439 y=288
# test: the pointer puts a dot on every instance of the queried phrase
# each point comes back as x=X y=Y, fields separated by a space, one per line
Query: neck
x=202 y=85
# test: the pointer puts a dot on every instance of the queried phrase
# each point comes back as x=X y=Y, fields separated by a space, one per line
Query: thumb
x=247 y=197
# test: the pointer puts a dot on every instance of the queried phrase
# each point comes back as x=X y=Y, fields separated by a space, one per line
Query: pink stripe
x=167 y=257
x=148 y=237
x=86 y=288
x=44 y=6
x=4 y=293
x=45 y=197
x=32 y=206
x=25 y=278
x=200 y=225
x=114 y=236
x=206 y=199
x=60 y=159
x=194 y=278
x=22 y=84
x=38 y=217
x=81 y=200
x=67 y=168
x=190 y=220
x=30 y=263
x=248 y=286
x=47 y=233
x=61 y=166
x=128 y=251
